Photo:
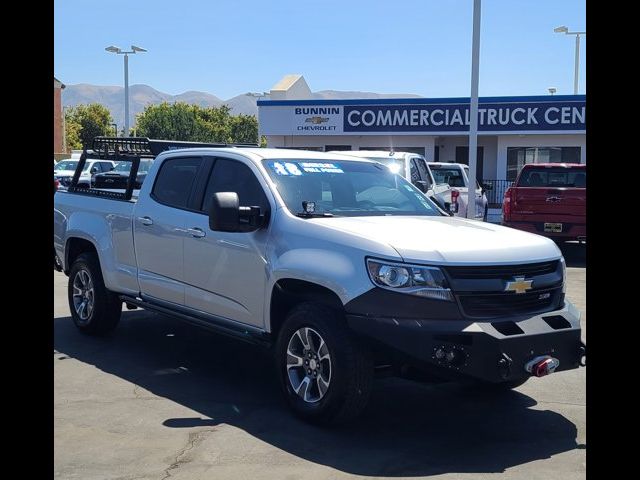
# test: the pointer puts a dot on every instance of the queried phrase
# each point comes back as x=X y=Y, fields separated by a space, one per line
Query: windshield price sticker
x=296 y=169
x=318 y=167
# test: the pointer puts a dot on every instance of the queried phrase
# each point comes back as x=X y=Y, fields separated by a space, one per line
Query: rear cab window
x=451 y=175
x=553 y=177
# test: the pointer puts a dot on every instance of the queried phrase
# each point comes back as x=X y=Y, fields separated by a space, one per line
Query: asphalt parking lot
x=159 y=399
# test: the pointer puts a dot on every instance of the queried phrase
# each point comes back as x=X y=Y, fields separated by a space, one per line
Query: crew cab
x=548 y=199
x=456 y=176
x=413 y=167
x=337 y=265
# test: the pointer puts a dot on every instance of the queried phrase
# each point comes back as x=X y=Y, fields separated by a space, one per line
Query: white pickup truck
x=336 y=264
x=456 y=176
x=413 y=167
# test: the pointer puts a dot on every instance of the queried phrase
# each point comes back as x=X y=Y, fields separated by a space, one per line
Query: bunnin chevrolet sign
x=415 y=116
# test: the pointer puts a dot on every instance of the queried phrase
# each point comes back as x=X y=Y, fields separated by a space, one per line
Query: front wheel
x=94 y=309
x=326 y=374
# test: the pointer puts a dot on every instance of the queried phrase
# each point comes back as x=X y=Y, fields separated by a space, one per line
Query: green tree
x=182 y=121
x=244 y=129
x=84 y=122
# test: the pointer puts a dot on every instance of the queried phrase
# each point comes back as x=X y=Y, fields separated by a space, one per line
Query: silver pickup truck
x=336 y=264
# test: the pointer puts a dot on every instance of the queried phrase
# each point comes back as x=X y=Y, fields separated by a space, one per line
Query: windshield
x=451 y=175
x=553 y=177
x=144 y=167
x=346 y=188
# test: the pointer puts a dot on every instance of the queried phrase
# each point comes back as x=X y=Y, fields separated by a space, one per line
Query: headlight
x=418 y=280
x=564 y=275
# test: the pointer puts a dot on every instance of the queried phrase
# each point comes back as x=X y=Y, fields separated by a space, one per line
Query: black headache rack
x=130 y=149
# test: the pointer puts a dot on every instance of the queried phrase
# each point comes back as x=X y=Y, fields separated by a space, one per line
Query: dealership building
x=512 y=131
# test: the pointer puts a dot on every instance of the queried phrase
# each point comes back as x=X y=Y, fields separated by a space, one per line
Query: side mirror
x=94 y=170
x=487 y=186
x=423 y=186
x=226 y=214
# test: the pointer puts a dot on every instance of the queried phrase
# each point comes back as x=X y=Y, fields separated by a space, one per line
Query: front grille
x=506 y=304
x=506 y=272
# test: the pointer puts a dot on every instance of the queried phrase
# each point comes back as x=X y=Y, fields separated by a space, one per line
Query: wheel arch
x=74 y=247
x=286 y=293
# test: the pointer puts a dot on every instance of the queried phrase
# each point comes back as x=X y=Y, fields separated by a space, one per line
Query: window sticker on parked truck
x=321 y=167
x=299 y=168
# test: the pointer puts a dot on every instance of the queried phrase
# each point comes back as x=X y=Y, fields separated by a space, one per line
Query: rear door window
x=175 y=181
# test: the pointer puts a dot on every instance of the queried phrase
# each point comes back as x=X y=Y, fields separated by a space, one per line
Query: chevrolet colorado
x=336 y=264
x=549 y=199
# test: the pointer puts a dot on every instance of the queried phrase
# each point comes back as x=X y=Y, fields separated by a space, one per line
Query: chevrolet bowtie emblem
x=518 y=285
x=317 y=120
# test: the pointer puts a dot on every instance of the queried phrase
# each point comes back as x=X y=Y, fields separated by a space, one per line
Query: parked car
x=117 y=178
x=548 y=199
x=412 y=167
x=65 y=169
x=456 y=175
x=332 y=262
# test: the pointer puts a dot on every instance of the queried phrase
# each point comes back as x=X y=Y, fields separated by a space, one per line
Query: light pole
x=473 y=110
x=119 y=51
x=258 y=96
x=565 y=30
x=115 y=127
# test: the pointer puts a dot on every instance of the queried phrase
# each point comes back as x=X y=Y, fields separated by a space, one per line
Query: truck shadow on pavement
x=408 y=429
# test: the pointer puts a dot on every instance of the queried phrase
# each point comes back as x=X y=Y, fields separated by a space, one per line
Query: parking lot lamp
x=473 y=110
x=576 y=66
x=119 y=51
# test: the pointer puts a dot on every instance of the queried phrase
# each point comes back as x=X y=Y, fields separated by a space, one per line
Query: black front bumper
x=493 y=351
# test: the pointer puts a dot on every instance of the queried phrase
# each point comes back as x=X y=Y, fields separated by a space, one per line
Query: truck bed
x=107 y=223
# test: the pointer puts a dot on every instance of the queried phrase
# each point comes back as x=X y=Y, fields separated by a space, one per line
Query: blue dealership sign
x=448 y=117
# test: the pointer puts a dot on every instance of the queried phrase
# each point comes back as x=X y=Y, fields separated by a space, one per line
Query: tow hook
x=504 y=365
x=583 y=355
x=541 y=366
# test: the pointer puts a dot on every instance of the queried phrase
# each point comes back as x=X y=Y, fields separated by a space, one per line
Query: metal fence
x=496 y=194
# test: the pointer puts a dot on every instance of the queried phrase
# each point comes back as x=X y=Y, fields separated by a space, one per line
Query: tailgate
x=548 y=201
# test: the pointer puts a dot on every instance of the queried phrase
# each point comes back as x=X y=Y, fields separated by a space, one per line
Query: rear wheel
x=326 y=374
x=94 y=309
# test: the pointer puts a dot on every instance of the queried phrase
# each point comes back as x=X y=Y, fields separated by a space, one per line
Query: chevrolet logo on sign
x=317 y=120
x=518 y=285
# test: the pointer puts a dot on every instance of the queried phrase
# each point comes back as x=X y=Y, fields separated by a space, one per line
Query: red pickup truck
x=548 y=199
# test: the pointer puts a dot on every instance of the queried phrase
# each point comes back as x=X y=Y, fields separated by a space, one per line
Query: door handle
x=196 y=232
x=145 y=220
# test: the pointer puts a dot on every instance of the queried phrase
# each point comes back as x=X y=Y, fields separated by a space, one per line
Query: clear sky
x=230 y=47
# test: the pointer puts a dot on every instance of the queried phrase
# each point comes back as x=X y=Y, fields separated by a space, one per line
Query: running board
x=245 y=333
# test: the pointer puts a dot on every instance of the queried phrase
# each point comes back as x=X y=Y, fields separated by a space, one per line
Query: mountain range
x=142 y=95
